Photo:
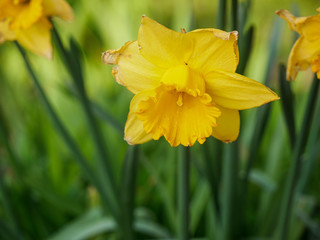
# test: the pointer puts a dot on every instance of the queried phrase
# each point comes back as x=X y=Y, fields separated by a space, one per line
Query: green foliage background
x=49 y=195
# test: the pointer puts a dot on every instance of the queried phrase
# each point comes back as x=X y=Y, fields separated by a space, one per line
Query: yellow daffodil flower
x=185 y=85
x=306 y=50
x=27 y=22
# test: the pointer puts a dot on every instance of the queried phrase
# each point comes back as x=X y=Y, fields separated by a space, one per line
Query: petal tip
x=234 y=35
x=110 y=57
x=128 y=140
x=143 y=18
x=274 y=98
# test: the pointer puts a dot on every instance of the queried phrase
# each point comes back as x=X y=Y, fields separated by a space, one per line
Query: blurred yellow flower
x=185 y=85
x=306 y=50
x=27 y=21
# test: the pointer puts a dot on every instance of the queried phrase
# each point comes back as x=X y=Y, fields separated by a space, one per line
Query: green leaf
x=170 y=209
x=287 y=102
x=201 y=197
x=245 y=48
x=289 y=196
x=128 y=189
x=105 y=176
x=222 y=12
x=263 y=180
x=91 y=224
x=151 y=228
x=312 y=151
x=7 y=233
x=101 y=113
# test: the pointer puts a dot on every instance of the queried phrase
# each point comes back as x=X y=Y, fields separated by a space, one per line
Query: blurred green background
x=43 y=184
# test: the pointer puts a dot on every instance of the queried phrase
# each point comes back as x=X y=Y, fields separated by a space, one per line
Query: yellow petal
x=134 y=132
x=37 y=38
x=23 y=15
x=228 y=125
x=214 y=49
x=234 y=91
x=162 y=46
x=310 y=28
x=3 y=7
x=306 y=26
x=294 y=22
x=59 y=8
x=5 y=33
x=133 y=70
x=301 y=56
x=179 y=117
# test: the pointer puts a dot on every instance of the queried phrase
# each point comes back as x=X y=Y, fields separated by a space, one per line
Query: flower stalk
x=183 y=193
x=212 y=169
x=229 y=191
x=129 y=174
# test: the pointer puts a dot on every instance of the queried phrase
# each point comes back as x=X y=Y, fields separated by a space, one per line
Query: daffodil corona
x=27 y=21
x=306 y=50
x=185 y=85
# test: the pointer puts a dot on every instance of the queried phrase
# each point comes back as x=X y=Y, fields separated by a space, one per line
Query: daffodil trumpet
x=185 y=85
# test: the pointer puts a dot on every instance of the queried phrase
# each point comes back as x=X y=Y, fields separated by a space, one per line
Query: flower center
x=184 y=79
x=22 y=14
x=178 y=116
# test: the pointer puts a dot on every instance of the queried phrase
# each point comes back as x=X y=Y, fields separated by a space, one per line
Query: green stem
x=99 y=112
x=129 y=174
x=183 y=193
x=294 y=172
x=103 y=164
x=64 y=133
x=212 y=169
x=221 y=21
x=263 y=115
x=107 y=117
x=229 y=191
x=234 y=15
x=4 y=136
x=287 y=105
